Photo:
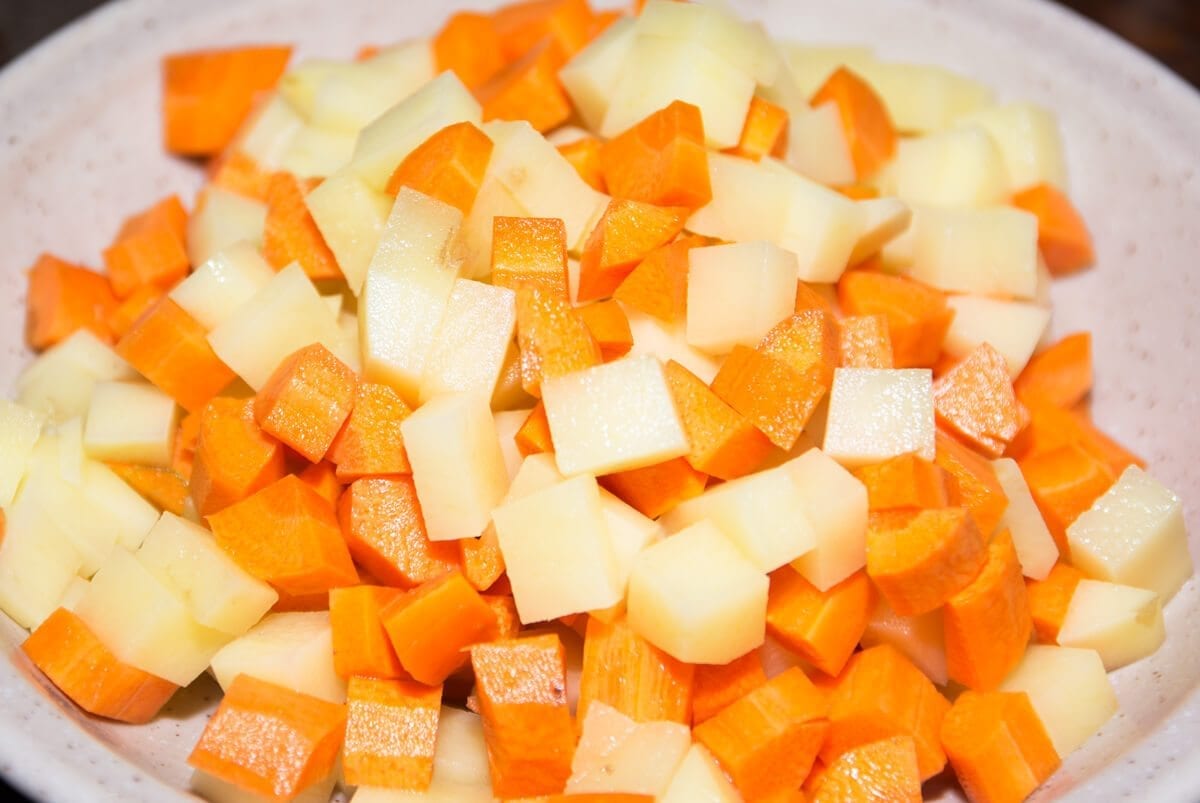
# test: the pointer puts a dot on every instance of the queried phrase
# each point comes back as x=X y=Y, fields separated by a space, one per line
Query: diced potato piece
x=37 y=565
x=817 y=145
x=617 y=755
x=113 y=503
x=508 y=422
x=590 y=76
x=407 y=288
x=294 y=650
x=457 y=464
x=71 y=456
x=736 y=293
x=537 y=472
x=1134 y=534
x=75 y=591
x=761 y=514
x=214 y=790
x=351 y=217
x=959 y=167
x=879 y=413
x=1069 y=691
x=696 y=597
x=59 y=382
x=558 y=551
x=1034 y=544
x=298 y=86
x=700 y=779
x=922 y=98
x=219 y=593
x=812 y=64
x=920 y=638
x=268 y=132
x=984 y=251
x=835 y=505
x=130 y=422
x=884 y=219
x=613 y=417
x=224 y=283
x=629 y=532
x=351 y=98
x=468 y=350
x=652 y=337
x=739 y=43
x=223 y=218
x=1122 y=623
x=1029 y=142
x=317 y=152
x=283 y=317
x=19 y=431
x=1013 y=328
x=144 y=623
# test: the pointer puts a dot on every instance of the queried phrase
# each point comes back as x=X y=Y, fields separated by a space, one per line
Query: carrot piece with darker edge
x=822 y=627
x=885 y=771
x=360 y=644
x=865 y=120
x=391 y=732
x=626 y=232
x=162 y=487
x=552 y=337
x=469 y=44
x=584 y=156
x=1063 y=237
x=1060 y=374
x=975 y=401
x=370 y=443
x=1049 y=599
x=233 y=457
x=534 y=437
x=448 y=166
x=717 y=685
x=905 y=481
x=527 y=89
x=917 y=315
x=656 y=489
x=765 y=132
x=63 y=298
x=661 y=159
x=291 y=235
x=974 y=482
x=658 y=285
x=609 y=327
x=623 y=670
x=306 y=400
x=530 y=250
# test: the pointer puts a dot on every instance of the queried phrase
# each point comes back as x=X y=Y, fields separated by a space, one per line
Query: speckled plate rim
x=53 y=756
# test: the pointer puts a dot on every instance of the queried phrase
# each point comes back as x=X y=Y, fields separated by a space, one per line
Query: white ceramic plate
x=79 y=148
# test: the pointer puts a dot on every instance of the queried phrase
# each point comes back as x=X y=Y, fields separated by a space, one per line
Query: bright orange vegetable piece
x=369 y=443
x=469 y=44
x=448 y=166
x=162 y=487
x=67 y=652
x=998 y=746
x=240 y=174
x=156 y=258
x=822 y=627
x=186 y=438
x=1049 y=599
x=717 y=685
x=167 y=214
x=858 y=192
x=918 y=559
x=656 y=489
x=322 y=478
x=623 y=670
x=391 y=732
x=207 y=94
x=584 y=156
x=291 y=235
x=552 y=336
x=609 y=327
x=1065 y=482
x=566 y=24
x=63 y=298
x=865 y=342
x=974 y=483
x=286 y=535
x=658 y=285
x=170 y=348
x=1052 y=427
x=482 y=560
x=521 y=689
x=885 y=771
x=360 y=644
x=527 y=89
x=768 y=739
x=661 y=160
x=626 y=232
x=530 y=250
x=270 y=740
x=234 y=458
x=1061 y=374
x=1063 y=237
x=917 y=315
x=534 y=435
x=765 y=132
x=381 y=521
x=306 y=400
x=905 y=481
x=127 y=312
x=865 y=120
x=975 y=401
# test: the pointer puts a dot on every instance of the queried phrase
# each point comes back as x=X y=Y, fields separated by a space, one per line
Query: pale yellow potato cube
x=219 y=593
x=879 y=413
x=58 y=384
x=214 y=790
x=736 y=293
x=629 y=531
x=214 y=290
x=884 y=219
x=835 y=505
x=961 y=167
x=920 y=638
x=589 y=77
x=922 y=98
x=457 y=465
x=317 y=152
x=38 y=564
x=558 y=551
x=468 y=350
x=351 y=217
x=697 y=598
x=71 y=455
x=613 y=417
x=990 y=251
x=740 y=43
x=1013 y=328
x=19 y=431
x=1134 y=534
x=1036 y=549
x=110 y=499
x=700 y=779
x=144 y=623
x=268 y=132
x=652 y=337
x=351 y=98
x=75 y=591
x=537 y=472
x=298 y=86
x=223 y=218
x=812 y=64
x=508 y=422
x=1069 y=691
x=57 y=505
x=293 y=650
x=408 y=286
x=817 y=145
x=617 y=755
x=1029 y=141
x=1122 y=623
x=130 y=422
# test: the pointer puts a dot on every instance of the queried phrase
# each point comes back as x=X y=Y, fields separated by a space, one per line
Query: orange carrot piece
x=291 y=235
x=360 y=644
x=1049 y=599
x=240 y=174
x=234 y=458
x=880 y=695
x=301 y=602
x=63 y=298
x=521 y=690
x=865 y=342
x=74 y=659
x=1051 y=427
x=186 y=438
x=527 y=89
x=170 y=348
x=917 y=315
x=382 y=524
x=534 y=435
x=552 y=336
x=1065 y=482
x=623 y=670
x=1063 y=237
x=208 y=93
x=998 y=747
x=765 y=132
x=808 y=297
x=906 y=481
x=167 y=214
x=306 y=400
x=885 y=771
x=567 y=24
x=391 y=732
x=767 y=740
x=122 y=318
x=609 y=327
x=286 y=535
x=822 y=627
x=448 y=166
x=369 y=443
x=658 y=285
x=918 y=559
x=974 y=484
x=269 y=740
x=322 y=478
x=717 y=685
x=469 y=44
x=975 y=401
x=626 y=232
x=508 y=623
x=432 y=626
x=657 y=489
x=858 y=192
x=660 y=160
x=1061 y=374
x=584 y=156
x=723 y=442
x=154 y=257
x=532 y=251
x=770 y=393
x=865 y=119
x=988 y=623
x=808 y=342
x=482 y=561
x=162 y=487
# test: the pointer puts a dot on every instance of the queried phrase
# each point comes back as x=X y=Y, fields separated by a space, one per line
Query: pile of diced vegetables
x=586 y=406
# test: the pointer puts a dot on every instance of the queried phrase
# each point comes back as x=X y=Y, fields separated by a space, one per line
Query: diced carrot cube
x=63 y=298
x=291 y=235
x=567 y=24
x=858 y=192
x=167 y=214
x=1065 y=482
x=448 y=166
x=626 y=232
x=534 y=435
x=885 y=770
x=658 y=285
x=623 y=670
x=808 y=297
x=122 y=318
x=306 y=401
x=718 y=685
x=822 y=627
x=360 y=644
x=322 y=478
x=765 y=132
x=584 y=156
x=660 y=160
x=162 y=487
x=530 y=250
x=391 y=732
x=552 y=336
x=865 y=342
x=656 y=489
x=234 y=458
x=1051 y=427
x=240 y=174
x=609 y=327
x=527 y=89
x=975 y=401
x=369 y=443
x=906 y=481
x=1049 y=599
x=917 y=315
x=155 y=257
x=469 y=44
x=186 y=438
x=974 y=483
x=865 y=119
x=1063 y=237
x=1060 y=374
x=482 y=560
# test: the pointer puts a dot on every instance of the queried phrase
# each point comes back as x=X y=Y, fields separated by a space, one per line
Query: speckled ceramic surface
x=79 y=148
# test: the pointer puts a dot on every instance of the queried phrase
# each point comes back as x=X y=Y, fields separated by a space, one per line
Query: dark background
x=1167 y=29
